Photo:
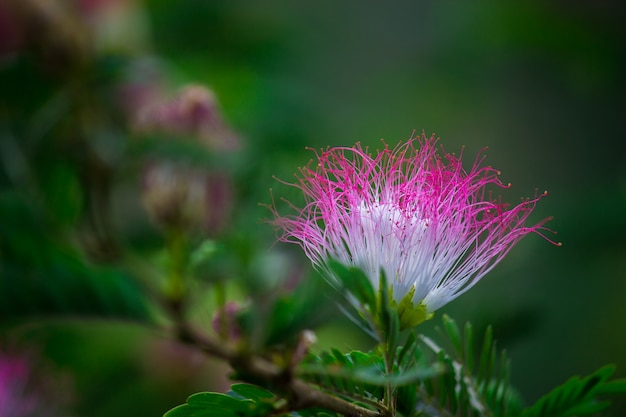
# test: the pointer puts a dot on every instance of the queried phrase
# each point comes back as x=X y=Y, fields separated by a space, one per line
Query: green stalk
x=388 y=329
x=389 y=399
x=220 y=299
x=175 y=286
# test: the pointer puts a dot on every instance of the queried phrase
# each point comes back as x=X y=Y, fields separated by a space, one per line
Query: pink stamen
x=418 y=215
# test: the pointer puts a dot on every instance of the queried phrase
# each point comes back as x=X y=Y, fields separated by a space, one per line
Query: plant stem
x=175 y=290
x=223 y=325
x=388 y=399
x=299 y=394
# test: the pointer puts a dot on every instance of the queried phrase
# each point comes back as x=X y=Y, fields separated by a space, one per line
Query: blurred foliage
x=540 y=83
x=472 y=380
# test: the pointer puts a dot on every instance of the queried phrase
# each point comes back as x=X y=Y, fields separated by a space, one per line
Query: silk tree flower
x=28 y=389
x=181 y=197
x=195 y=112
x=176 y=193
x=412 y=212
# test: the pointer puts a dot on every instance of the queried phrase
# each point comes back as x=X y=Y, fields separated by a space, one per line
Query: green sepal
x=410 y=314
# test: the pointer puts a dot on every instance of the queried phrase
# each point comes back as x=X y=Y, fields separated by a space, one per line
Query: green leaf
x=307 y=308
x=252 y=391
x=468 y=347
x=388 y=319
x=486 y=364
x=206 y=404
x=407 y=399
x=453 y=332
x=42 y=276
x=406 y=353
x=180 y=411
x=465 y=389
x=217 y=400
x=578 y=396
x=393 y=331
x=361 y=375
x=356 y=283
x=279 y=319
x=617 y=386
x=64 y=286
x=372 y=375
x=312 y=412
x=348 y=373
x=63 y=194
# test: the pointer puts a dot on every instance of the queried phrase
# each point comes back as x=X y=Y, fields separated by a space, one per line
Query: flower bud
x=185 y=198
x=194 y=112
x=26 y=390
x=225 y=321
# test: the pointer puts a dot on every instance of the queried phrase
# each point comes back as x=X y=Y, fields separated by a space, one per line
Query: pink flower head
x=411 y=212
x=27 y=389
x=194 y=111
x=14 y=377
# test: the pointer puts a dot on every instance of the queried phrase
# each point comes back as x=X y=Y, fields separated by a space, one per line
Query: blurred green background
x=540 y=83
